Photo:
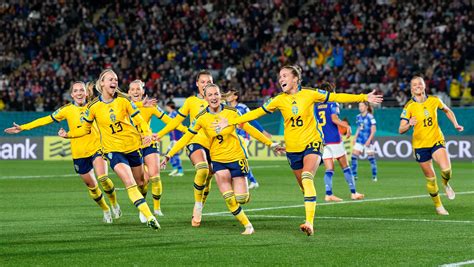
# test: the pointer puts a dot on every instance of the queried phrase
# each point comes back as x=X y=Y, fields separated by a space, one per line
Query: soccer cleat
x=107 y=217
x=357 y=196
x=449 y=192
x=253 y=185
x=197 y=216
x=248 y=230
x=179 y=174
x=142 y=217
x=158 y=213
x=355 y=178
x=116 y=211
x=332 y=198
x=441 y=211
x=307 y=228
x=152 y=222
x=173 y=172
x=374 y=179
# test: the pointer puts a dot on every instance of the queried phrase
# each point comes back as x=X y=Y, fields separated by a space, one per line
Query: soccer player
x=302 y=138
x=86 y=151
x=232 y=98
x=428 y=140
x=364 y=139
x=328 y=119
x=113 y=112
x=198 y=147
x=175 y=135
x=229 y=159
x=150 y=153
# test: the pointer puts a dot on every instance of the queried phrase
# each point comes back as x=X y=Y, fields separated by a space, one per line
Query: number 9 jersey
x=426 y=132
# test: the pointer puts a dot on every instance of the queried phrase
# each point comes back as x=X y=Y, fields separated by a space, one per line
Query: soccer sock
x=309 y=196
x=235 y=208
x=349 y=179
x=143 y=188
x=242 y=198
x=202 y=171
x=328 y=181
x=156 y=190
x=138 y=200
x=97 y=196
x=178 y=164
x=432 y=187
x=109 y=188
x=354 y=165
x=251 y=177
x=207 y=188
x=446 y=175
x=373 y=164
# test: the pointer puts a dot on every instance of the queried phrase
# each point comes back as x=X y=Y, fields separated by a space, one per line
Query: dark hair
x=370 y=109
x=327 y=86
x=295 y=70
x=171 y=104
x=203 y=72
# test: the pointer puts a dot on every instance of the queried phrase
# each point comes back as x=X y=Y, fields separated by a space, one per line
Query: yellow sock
x=143 y=189
x=109 y=188
x=235 y=208
x=202 y=171
x=309 y=192
x=242 y=198
x=446 y=175
x=432 y=187
x=207 y=188
x=156 y=190
x=137 y=199
x=97 y=196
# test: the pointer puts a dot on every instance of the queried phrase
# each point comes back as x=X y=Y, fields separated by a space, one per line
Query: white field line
x=335 y=203
x=458 y=264
x=73 y=175
x=350 y=218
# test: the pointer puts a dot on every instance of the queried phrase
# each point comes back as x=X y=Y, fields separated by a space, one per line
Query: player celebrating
x=150 y=153
x=175 y=135
x=86 y=151
x=232 y=98
x=302 y=137
x=120 y=140
x=198 y=147
x=364 y=139
x=229 y=159
x=428 y=140
x=327 y=115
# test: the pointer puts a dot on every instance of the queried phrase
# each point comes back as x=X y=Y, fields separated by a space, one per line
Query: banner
x=21 y=148
x=57 y=148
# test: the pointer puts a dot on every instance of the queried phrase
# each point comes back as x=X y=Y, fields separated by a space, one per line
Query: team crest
x=109 y=155
x=294 y=109
x=404 y=113
x=56 y=113
x=113 y=118
x=268 y=102
x=427 y=113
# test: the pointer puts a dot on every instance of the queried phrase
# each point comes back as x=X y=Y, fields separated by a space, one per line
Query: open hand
x=149 y=102
x=62 y=133
x=146 y=140
x=164 y=162
x=220 y=125
x=278 y=148
x=373 y=98
x=412 y=121
x=460 y=128
x=13 y=130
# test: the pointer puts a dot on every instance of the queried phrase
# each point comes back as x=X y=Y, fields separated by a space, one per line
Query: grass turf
x=51 y=220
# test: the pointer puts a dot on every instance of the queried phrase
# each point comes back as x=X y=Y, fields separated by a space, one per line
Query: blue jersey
x=242 y=108
x=364 y=123
x=323 y=114
x=175 y=135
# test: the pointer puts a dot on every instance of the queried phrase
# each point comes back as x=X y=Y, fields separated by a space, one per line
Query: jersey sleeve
x=372 y=120
x=37 y=123
x=59 y=115
x=137 y=119
x=184 y=110
x=255 y=133
x=193 y=130
x=158 y=112
x=334 y=108
x=271 y=105
x=439 y=103
x=405 y=113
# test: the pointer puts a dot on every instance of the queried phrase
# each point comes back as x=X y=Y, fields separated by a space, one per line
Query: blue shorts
x=425 y=154
x=191 y=148
x=84 y=165
x=132 y=159
x=153 y=148
x=239 y=168
x=296 y=158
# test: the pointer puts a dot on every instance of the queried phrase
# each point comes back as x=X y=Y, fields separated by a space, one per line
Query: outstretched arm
x=173 y=124
x=255 y=133
x=450 y=114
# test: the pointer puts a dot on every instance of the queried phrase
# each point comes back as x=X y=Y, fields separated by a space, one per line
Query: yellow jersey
x=191 y=107
x=82 y=147
x=227 y=146
x=300 y=126
x=426 y=132
x=114 y=120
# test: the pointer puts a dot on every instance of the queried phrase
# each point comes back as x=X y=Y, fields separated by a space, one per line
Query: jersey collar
x=414 y=100
x=220 y=109
x=115 y=96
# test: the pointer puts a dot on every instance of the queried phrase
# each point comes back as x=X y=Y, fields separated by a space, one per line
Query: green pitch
x=47 y=218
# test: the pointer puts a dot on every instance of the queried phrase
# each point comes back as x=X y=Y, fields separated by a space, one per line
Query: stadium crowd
x=356 y=45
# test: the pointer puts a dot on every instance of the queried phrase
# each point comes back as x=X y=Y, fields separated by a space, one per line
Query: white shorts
x=364 y=149
x=334 y=151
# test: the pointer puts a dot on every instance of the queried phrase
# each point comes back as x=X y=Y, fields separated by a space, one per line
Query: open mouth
x=283 y=85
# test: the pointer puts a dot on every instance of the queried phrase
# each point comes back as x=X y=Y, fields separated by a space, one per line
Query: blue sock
x=328 y=181
x=373 y=164
x=354 y=165
x=349 y=179
x=178 y=164
x=251 y=177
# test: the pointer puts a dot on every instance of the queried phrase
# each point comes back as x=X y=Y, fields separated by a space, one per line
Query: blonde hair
x=295 y=70
x=90 y=90
x=209 y=85
x=140 y=83
x=98 y=87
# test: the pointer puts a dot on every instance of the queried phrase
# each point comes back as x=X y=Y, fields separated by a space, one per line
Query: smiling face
x=231 y=98
x=213 y=97
x=109 y=83
x=79 y=93
x=288 y=81
x=418 y=86
x=202 y=81
x=135 y=91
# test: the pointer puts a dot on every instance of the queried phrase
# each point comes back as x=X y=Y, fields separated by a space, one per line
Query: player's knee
x=242 y=198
